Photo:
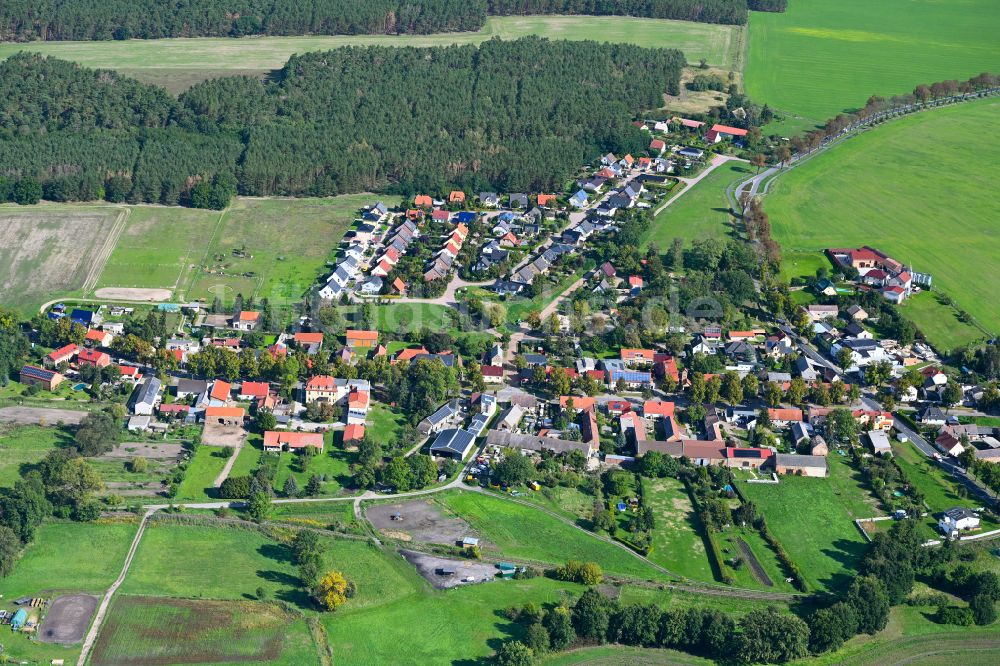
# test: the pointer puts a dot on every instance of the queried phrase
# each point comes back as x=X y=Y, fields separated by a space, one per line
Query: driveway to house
x=224 y=474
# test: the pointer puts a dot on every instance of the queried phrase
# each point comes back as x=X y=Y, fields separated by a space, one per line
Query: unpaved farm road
x=102 y=610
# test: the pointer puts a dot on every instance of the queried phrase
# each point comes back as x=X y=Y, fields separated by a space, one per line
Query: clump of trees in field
x=353 y=119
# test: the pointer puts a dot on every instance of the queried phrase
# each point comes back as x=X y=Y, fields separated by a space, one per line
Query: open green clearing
x=677 y=541
x=157 y=246
x=519 y=531
x=939 y=321
x=148 y=630
x=822 y=57
x=916 y=189
x=384 y=422
x=55 y=250
x=24 y=445
x=812 y=518
x=455 y=626
x=701 y=213
x=333 y=465
x=179 y=63
x=219 y=562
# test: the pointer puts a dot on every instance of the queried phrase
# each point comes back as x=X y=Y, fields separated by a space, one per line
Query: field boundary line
x=102 y=610
x=110 y=243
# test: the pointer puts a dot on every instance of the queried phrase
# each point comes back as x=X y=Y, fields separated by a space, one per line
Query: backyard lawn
x=940 y=491
x=205 y=465
x=678 y=544
x=158 y=245
x=895 y=187
x=812 y=518
x=332 y=466
x=384 y=423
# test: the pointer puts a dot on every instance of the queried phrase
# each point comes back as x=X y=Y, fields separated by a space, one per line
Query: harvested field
x=428 y=566
x=68 y=619
x=153 y=631
x=40 y=415
x=58 y=251
x=132 y=294
x=419 y=521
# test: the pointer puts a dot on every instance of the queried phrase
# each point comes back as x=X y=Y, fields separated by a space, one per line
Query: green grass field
x=918 y=188
x=288 y=242
x=822 y=57
x=519 y=531
x=812 y=518
x=179 y=63
x=74 y=557
x=700 y=213
x=192 y=561
x=64 y=557
x=677 y=541
x=157 y=246
x=146 y=630
x=24 y=445
x=458 y=626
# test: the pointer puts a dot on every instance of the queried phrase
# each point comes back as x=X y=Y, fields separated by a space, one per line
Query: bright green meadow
x=921 y=189
x=823 y=57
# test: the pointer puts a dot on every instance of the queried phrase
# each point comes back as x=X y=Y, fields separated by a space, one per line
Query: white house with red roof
x=721 y=132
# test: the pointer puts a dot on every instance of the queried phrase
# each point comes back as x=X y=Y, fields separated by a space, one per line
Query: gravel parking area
x=419 y=520
x=68 y=619
x=432 y=568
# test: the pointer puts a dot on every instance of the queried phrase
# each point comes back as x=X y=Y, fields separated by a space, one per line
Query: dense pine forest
x=24 y=20
x=521 y=115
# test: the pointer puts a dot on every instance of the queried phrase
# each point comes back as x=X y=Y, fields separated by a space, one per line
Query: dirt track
x=751 y=560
